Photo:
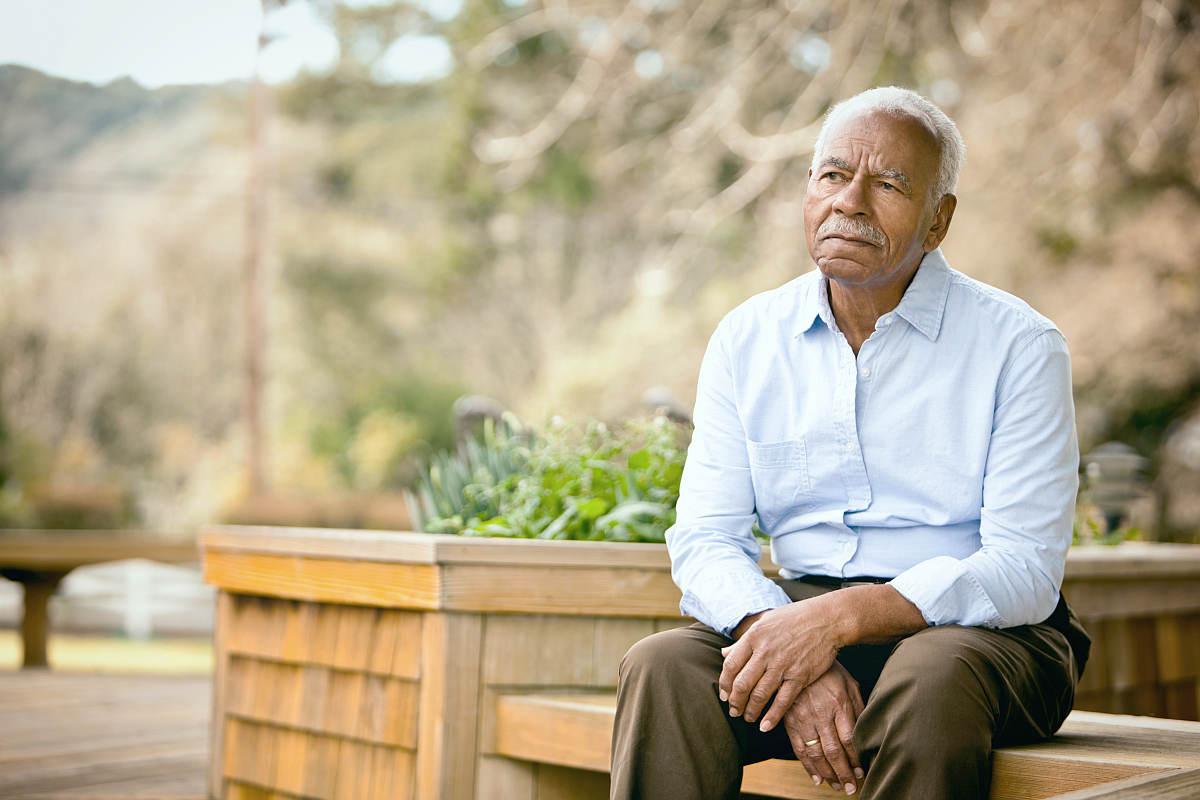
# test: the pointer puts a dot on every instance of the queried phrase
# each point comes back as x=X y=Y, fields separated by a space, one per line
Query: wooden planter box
x=1140 y=601
x=354 y=664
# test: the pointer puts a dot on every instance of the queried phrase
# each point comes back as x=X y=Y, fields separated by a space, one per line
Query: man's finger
x=812 y=744
x=787 y=694
x=767 y=685
x=816 y=753
x=743 y=683
x=855 y=697
x=798 y=735
x=736 y=655
x=835 y=753
x=845 y=731
x=802 y=757
x=818 y=768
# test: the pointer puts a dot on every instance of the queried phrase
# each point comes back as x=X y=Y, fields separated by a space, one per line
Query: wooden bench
x=39 y=560
x=1093 y=756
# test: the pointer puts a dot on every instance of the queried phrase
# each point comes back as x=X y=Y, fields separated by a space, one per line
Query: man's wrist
x=844 y=614
x=744 y=625
x=871 y=615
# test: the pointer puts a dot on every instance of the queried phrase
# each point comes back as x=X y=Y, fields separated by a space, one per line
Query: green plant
x=1091 y=526
x=571 y=481
x=458 y=489
x=1088 y=530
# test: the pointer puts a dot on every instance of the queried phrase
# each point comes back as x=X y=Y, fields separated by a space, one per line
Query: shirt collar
x=924 y=302
x=814 y=305
x=922 y=306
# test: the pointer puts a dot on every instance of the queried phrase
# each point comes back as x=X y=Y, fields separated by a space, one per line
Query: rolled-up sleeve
x=1030 y=482
x=714 y=555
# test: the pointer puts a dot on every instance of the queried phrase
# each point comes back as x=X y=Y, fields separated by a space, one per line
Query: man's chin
x=842 y=268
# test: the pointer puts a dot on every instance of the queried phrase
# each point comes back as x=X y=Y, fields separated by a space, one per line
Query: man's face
x=866 y=211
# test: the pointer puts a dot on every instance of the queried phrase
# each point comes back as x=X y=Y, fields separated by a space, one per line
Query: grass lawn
x=99 y=653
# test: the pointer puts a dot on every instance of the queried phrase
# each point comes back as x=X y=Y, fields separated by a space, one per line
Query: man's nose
x=851 y=199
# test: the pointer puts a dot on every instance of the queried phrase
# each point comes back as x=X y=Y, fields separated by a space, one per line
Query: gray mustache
x=848 y=226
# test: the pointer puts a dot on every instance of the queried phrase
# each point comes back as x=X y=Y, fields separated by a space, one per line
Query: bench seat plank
x=1092 y=753
x=1174 y=785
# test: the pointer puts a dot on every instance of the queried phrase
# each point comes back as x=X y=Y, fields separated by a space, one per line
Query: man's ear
x=941 y=222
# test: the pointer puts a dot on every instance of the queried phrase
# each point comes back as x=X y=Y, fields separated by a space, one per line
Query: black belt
x=841 y=583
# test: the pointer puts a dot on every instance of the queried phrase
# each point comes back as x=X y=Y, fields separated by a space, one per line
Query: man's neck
x=858 y=308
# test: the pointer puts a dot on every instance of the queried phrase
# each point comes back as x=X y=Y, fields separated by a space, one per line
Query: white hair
x=894 y=100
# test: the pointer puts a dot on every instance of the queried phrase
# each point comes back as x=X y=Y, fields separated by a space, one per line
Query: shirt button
x=865 y=372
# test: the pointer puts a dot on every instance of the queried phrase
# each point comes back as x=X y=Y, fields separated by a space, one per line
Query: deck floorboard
x=75 y=736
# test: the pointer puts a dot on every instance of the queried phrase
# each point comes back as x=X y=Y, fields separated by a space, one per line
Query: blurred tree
x=559 y=205
x=606 y=170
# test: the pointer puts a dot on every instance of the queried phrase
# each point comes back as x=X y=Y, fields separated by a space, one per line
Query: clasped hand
x=788 y=653
x=785 y=650
x=820 y=727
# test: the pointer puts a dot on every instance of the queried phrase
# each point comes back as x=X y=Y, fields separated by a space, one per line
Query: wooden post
x=216 y=754
x=449 y=706
x=35 y=624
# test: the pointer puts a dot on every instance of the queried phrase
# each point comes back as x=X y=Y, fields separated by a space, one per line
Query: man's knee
x=944 y=670
x=648 y=652
x=680 y=650
x=939 y=661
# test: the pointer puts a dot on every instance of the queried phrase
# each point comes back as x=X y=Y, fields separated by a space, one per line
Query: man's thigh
x=1018 y=684
x=687 y=663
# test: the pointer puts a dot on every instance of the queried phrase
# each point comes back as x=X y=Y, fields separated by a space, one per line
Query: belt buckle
x=849 y=583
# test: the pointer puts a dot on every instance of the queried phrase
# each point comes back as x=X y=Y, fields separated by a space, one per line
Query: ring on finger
x=810 y=744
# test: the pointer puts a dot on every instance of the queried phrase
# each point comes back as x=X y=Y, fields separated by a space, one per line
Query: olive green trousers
x=936 y=704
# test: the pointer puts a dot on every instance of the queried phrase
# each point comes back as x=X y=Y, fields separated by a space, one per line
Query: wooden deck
x=72 y=736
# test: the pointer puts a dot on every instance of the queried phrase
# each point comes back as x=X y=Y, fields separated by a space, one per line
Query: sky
x=158 y=42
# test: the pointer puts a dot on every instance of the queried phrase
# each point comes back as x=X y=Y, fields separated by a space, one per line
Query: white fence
x=136 y=598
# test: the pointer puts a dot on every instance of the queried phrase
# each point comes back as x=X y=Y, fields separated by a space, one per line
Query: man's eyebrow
x=894 y=175
x=838 y=163
x=890 y=174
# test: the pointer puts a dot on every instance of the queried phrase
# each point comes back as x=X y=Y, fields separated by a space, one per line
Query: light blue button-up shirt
x=943 y=456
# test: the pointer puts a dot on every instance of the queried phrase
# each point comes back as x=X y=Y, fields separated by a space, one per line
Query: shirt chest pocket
x=779 y=471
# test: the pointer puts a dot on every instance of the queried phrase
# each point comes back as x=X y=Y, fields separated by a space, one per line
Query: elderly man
x=905 y=436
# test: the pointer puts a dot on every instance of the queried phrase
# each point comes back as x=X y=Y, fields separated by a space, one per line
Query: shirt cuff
x=947 y=593
x=722 y=611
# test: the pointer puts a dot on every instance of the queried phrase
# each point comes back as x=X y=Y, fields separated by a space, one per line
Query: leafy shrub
x=572 y=481
x=1090 y=529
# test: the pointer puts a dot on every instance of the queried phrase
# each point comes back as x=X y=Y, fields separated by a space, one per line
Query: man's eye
x=887 y=186
x=831 y=176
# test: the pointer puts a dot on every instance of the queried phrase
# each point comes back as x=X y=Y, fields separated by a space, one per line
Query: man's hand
x=782 y=652
x=820 y=726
